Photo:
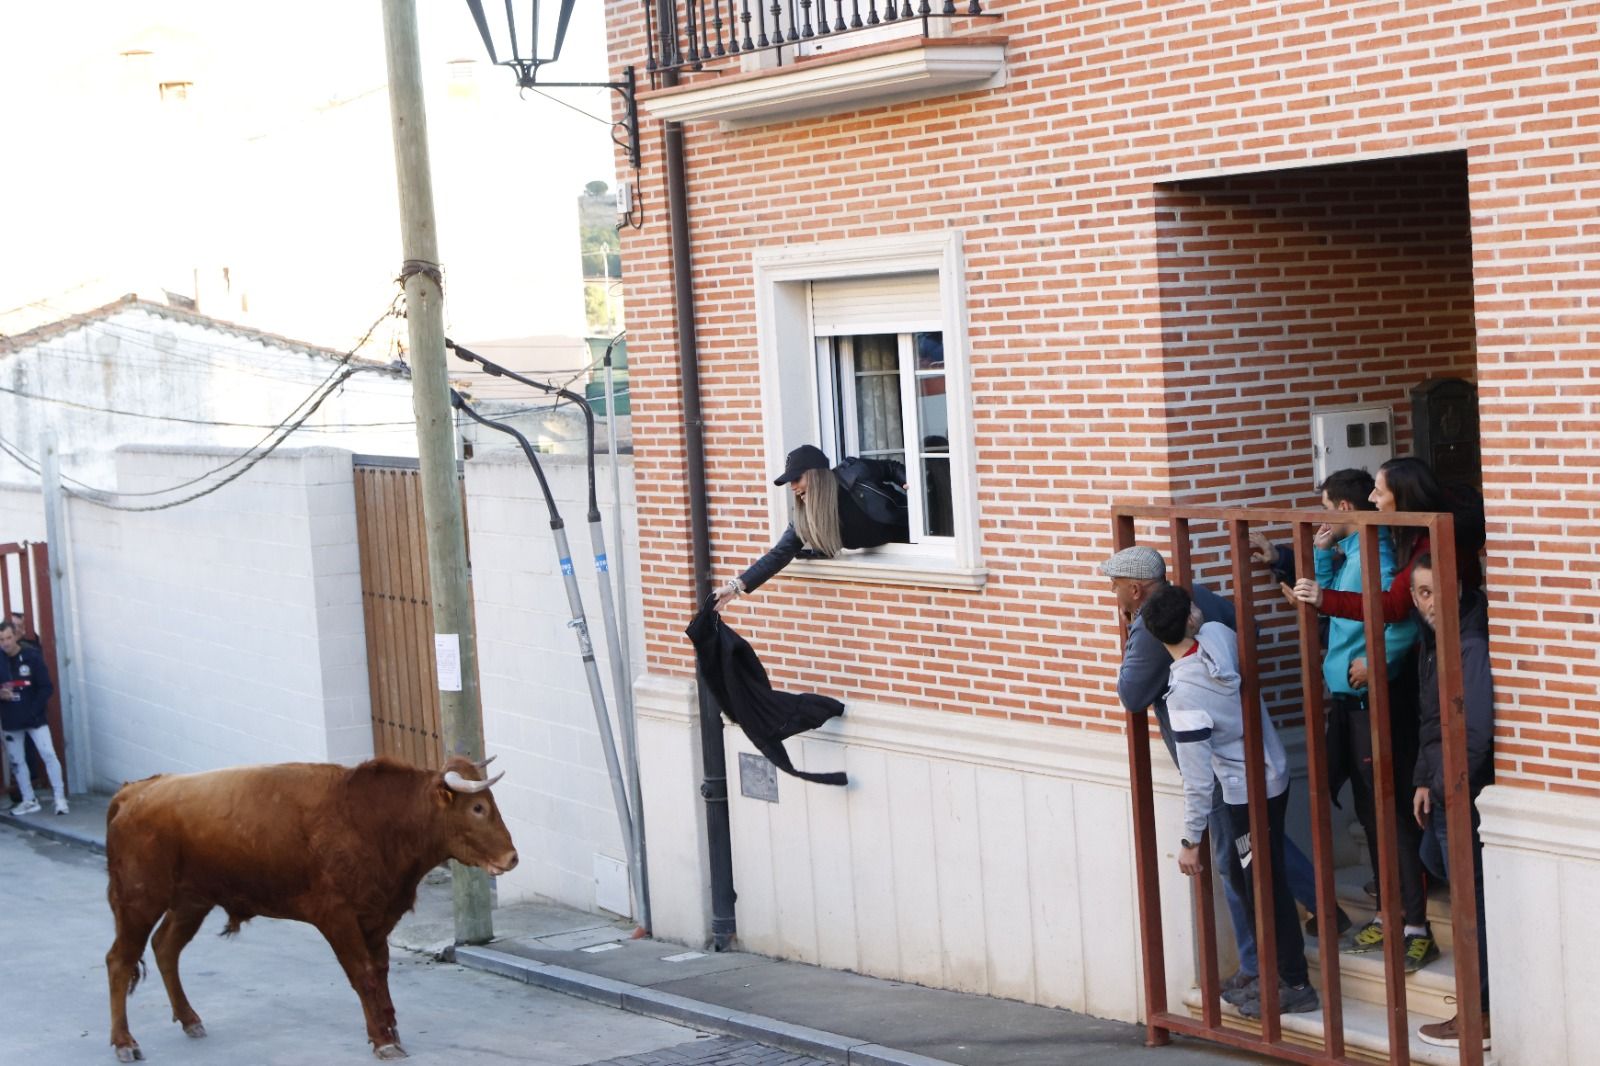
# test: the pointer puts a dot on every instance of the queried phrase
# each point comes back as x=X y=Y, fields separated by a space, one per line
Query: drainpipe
x=714 y=786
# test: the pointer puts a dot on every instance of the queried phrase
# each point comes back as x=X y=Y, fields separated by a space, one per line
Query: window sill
x=891 y=570
x=845 y=81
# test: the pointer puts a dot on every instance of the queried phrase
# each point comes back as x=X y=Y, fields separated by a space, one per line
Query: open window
x=863 y=353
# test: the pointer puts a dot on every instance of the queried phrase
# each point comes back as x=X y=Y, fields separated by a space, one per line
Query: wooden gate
x=395 y=598
x=25 y=588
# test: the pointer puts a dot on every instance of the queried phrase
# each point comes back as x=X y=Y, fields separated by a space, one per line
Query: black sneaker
x=1292 y=999
x=1367 y=939
x=1420 y=950
x=1371 y=888
x=1240 y=987
x=1343 y=922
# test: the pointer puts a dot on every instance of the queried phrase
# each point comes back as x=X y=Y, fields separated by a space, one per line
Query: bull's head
x=474 y=831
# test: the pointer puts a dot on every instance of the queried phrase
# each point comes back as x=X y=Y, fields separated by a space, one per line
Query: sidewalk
x=831 y=1014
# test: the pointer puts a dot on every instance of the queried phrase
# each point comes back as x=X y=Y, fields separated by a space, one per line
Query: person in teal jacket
x=1346 y=674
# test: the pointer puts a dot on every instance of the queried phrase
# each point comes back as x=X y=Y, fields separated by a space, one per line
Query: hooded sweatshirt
x=1208 y=727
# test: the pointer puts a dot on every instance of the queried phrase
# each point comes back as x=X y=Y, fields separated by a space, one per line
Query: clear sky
x=279 y=166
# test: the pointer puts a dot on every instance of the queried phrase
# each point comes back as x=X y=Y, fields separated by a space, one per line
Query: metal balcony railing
x=1269 y=1039
x=692 y=34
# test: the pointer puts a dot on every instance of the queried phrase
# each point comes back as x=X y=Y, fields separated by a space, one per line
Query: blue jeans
x=1435 y=850
x=1302 y=880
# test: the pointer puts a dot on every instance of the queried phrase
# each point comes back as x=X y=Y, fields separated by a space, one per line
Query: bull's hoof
x=390 y=1051
x=195 y=1030
x=129 y=1053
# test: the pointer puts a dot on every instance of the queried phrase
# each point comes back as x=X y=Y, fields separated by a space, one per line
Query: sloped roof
x=132 y=302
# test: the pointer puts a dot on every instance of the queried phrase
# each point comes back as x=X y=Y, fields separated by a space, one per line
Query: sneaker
x=1420 y=950
x=62 y=808
x=1342 y=921
x=27 y=807
x=1240 y=987
x=1368 y=938
x=1371 y=888
x=1292 y=999
x=1445 y=1034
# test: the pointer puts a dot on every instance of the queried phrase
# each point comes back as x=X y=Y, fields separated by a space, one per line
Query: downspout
x=714 y=785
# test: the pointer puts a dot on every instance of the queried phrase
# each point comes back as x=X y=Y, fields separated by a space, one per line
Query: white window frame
x=792 y=392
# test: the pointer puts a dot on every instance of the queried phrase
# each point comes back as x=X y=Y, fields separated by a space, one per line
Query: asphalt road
x=275 y=995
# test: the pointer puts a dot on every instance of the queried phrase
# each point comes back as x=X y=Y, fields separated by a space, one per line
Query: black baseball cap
x=806 y=457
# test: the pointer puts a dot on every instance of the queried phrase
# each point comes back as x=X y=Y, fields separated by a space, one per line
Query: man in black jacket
x=861 y=503
x=1477 y=690
x=25 y=690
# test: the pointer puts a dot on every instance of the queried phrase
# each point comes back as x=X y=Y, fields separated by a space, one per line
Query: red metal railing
x=1160 y=1021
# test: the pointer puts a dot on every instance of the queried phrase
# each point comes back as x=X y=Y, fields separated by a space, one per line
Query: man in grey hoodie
x=1207 y=717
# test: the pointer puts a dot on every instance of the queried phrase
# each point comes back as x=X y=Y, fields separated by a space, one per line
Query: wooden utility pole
x=459 y=708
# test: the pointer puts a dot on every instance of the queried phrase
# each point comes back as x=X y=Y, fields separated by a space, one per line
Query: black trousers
x=1285 y=919
x=1351 y=716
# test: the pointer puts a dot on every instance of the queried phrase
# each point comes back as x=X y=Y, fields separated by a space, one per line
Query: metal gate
x=396 y=602
x=25 y=587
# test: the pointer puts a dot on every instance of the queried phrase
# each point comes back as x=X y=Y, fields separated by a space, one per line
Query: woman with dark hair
x=861 y=503
x=1405 y=484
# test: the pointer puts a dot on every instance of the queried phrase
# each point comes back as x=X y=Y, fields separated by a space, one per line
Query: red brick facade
x=1183 y=224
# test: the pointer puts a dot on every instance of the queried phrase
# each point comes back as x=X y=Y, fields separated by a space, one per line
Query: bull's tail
x=235 y=923
x=139 y=974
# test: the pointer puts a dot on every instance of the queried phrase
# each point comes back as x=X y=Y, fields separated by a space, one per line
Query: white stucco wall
x=228 y=630
x=537 y=714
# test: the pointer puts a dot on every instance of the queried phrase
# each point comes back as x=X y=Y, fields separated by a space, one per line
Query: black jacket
x=1477 y=691
x=730 y=669
x=26 y=666
x=867 y=487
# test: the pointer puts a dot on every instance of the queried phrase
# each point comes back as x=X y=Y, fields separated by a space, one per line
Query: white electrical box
x=1358 y=437
x=611 y=885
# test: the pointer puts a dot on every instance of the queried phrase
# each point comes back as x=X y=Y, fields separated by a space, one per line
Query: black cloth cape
x=730 y=669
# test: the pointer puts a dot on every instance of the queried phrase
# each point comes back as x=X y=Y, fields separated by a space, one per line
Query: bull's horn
x=484 y=765
x=458 y=783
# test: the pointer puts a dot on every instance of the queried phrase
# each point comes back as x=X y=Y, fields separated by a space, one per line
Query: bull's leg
x=174 y=934
x=378 y=949
x=350 y=947
x=122 y=972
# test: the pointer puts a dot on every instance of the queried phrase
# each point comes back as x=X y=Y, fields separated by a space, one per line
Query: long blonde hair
x=816 y=515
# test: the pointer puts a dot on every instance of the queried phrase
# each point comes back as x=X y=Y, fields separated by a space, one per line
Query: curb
x=54 y=832
x=639 y=999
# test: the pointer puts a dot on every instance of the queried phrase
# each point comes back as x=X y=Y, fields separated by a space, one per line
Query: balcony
x=744 y=63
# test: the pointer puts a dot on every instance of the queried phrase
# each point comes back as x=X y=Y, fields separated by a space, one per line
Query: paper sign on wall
x=447 y=653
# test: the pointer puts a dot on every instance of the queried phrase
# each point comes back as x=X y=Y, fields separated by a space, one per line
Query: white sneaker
x=26 y=807
x=61 y=807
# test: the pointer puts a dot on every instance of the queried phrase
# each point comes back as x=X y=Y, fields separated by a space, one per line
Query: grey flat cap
x=1138 y=562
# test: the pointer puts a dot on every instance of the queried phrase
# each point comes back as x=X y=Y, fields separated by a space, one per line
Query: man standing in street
x=25 y=690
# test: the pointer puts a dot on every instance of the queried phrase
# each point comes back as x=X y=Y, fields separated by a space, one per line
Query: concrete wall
x=538 y=717
x=225 y=631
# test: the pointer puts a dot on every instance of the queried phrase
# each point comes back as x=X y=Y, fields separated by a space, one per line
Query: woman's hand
x=1189 y=860
x=726 y=595
x=1307 y=590
x=1422 y=806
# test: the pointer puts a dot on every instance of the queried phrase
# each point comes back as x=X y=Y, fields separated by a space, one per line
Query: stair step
x=1361 y=978
x=1366 y=1032
x=1348 y=882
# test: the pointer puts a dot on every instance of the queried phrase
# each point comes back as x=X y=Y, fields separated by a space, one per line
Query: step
x=1366 y=1032
x=1361 y=978
x=1347 y=886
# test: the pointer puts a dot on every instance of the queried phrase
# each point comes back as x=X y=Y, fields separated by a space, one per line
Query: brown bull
x=341 y=849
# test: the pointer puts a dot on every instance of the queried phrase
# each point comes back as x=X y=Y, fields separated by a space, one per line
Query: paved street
x=275 y=995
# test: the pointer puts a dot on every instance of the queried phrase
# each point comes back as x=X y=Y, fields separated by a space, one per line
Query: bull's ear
x=443 y=794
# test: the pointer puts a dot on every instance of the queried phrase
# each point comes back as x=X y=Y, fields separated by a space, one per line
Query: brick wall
x=1116 y=122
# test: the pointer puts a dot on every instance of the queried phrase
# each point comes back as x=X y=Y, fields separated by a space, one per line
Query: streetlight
x=526 y=44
